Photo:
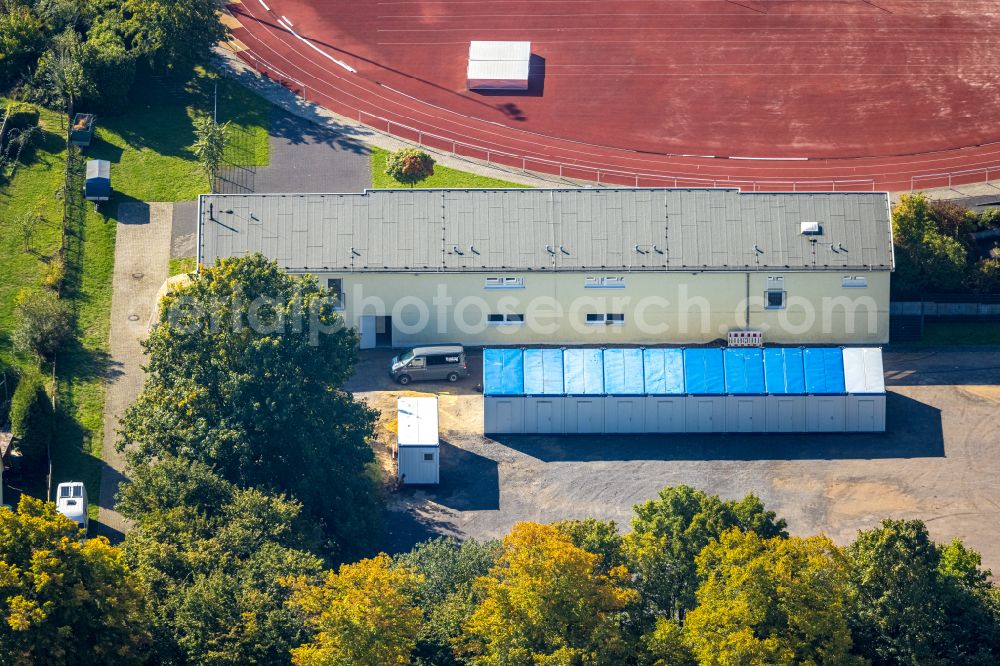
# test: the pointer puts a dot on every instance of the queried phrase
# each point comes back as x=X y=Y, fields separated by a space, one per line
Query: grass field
x=148 y=145
x=443 y=176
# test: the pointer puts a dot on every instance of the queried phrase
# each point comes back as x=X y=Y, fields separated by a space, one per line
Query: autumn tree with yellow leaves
x=64 y=600
x=363 y=615
x=771 y=601
x=546 y=602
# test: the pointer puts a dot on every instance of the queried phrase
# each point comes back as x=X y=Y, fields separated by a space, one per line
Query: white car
x=71 y=501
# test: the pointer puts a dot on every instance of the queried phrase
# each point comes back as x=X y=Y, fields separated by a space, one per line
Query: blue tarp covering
x=744 y=371
x=703 y=371
x=503 y=372
x=664 y=371
x=824 y=369
x=584 y=371
x=783 y=373
x=543 y=371
x=623 y=374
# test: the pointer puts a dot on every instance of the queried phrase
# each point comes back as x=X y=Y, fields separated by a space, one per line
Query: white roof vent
x=811 y=229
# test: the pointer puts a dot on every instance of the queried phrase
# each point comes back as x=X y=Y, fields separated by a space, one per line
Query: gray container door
x=544 y=417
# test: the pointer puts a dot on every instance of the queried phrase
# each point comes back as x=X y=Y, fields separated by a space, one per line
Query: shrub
x=985 y=278
x=55 y=272
x=31 y=418
x=19 y=116
x=409 y=165
x=43 y=323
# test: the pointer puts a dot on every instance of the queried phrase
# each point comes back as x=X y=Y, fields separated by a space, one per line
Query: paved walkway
x=142 y=250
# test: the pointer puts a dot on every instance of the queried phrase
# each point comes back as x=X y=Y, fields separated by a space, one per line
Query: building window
x=774 y=297
x=504 y=283
x=855 y=282
x=336 y=285
x=604 y=282
x=428 y=456
x=505 y=318
x=605 y=318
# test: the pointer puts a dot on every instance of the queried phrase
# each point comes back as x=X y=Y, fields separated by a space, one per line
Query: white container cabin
x=418 y=445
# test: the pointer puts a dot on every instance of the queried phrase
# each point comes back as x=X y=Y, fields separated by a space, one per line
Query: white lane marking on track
x=283 y=21
x=283 y=18
x=264 y=5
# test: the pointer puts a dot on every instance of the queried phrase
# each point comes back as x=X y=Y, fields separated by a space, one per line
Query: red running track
x=773 y=94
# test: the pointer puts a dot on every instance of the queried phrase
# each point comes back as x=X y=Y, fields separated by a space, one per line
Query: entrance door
x=383 y=331
x=367 y=331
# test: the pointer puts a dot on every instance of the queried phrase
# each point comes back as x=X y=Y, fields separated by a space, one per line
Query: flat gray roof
x=549 y=229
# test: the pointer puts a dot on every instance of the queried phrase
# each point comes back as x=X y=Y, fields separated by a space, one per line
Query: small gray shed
x=98 y=184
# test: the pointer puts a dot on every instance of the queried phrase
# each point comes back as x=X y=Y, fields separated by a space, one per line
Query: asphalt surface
x=938 y=462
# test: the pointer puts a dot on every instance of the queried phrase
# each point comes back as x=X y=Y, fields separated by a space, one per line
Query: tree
x=926 y=259
x=209 y=145
x=599 y=537
x=22 y=39
x=213 y=557
x=60 y=70
x=545 y=602
x=409 y=165
x=364 y=615
x=666 y=645
x=27 y=227
x=448 y=569
x=916 y=603
x=771 y=601
x=108 y=64
x=669 y=532
x=245 y=372
x=42 y=323
x=63 y=600
x=173 y=34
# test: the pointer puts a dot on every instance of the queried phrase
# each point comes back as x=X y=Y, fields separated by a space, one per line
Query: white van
x=71 y=501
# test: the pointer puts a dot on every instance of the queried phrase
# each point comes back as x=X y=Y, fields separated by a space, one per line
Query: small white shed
x=418 y=446
x=864 y=381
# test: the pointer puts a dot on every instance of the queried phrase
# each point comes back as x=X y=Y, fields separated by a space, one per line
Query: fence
x=966 y=176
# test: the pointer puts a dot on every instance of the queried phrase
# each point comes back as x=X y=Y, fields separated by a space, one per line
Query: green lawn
x=940 y=334
x=149 y=147
x=443 y=176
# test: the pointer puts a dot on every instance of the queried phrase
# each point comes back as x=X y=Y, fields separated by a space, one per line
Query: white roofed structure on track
x=499 y=65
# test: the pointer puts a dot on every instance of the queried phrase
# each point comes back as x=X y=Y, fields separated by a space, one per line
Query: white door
x=367 y=331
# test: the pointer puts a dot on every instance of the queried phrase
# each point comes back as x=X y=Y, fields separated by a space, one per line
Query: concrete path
x=142 y=251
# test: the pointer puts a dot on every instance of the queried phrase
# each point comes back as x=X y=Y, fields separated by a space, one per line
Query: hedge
x=31 y=419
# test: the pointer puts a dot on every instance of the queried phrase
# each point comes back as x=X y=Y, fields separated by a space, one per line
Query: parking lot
x=938 y=461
